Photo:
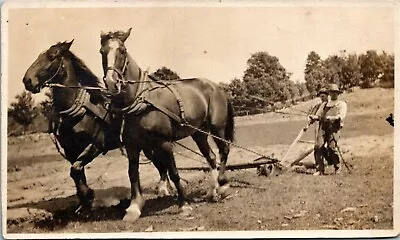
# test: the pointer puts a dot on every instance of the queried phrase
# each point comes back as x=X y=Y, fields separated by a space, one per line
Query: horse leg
x=224 y=149
x=162 y=170
x=165 y=153
x=205 y=149
x=77 y=172
x=134 y=210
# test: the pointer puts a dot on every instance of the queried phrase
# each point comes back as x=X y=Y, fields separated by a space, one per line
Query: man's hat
x=321 y=91
x=334 y=88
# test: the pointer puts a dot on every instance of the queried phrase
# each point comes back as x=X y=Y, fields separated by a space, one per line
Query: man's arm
x=341 y=114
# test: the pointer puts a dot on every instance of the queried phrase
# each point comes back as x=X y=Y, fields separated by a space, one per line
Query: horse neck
x=133 y=73
x=64 y=97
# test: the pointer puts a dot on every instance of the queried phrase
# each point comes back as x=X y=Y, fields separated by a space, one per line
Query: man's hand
x=331 y=118
x=313 y=117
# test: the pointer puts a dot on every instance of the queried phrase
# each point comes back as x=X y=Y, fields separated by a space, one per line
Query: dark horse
x=82 y=123
x=158 y=113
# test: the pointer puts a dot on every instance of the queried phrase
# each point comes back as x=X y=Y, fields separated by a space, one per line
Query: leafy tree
x=265 y=77
x=165 y=73
x=371 y=68
x=239 y=95
x=314 y=73
x=333 y=66
x=303 y=91
x=23 y=111
x=293 y=89
x=387 y=78
x=46 y=105
x=351 y=72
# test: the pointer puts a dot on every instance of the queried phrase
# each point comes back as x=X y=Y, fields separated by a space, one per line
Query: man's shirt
x=335 y=108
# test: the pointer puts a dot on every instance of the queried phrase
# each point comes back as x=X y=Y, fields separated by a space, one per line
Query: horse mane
x=85 y=76
x=111 y=35
x=83 y=73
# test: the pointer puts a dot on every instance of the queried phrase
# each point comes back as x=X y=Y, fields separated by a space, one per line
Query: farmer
x=323 y=94
x=331 y=118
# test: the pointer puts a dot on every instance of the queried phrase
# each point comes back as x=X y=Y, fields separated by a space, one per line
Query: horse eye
x=51 y=56
x=122 y=50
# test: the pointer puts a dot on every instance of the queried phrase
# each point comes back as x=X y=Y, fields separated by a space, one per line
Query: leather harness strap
x=181 y=118
x=143 y=100
x=167 y=112
x=179 y=100
x=98 y=110
x=82 y=103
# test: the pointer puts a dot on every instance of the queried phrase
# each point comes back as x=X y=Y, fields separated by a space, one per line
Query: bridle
x=121 y=79
x=50 y=84
x=48 y=81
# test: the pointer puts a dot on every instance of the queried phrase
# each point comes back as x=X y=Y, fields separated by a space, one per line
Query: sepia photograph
x=192 y=119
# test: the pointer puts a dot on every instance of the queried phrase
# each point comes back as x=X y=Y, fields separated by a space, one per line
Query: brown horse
x=82 y=123
x=158 y=113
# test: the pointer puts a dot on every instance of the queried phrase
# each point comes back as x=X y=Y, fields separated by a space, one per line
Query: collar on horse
x=82 y=103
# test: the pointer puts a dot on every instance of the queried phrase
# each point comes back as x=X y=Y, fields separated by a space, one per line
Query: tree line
x=265 y=86
x=366 y=70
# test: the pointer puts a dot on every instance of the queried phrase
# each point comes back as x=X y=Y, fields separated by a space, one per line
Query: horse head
x=114 y=59
x=46 y=68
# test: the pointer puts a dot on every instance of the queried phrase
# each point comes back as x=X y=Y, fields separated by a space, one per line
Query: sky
x=210 y=42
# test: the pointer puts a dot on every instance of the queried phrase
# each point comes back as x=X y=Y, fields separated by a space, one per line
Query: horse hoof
x=83 y=209
x=132 y=214
x=79 y=209
x=212 y=195
x=163 y=193
x=212 y=198
x=224 y=191
x=185 y=210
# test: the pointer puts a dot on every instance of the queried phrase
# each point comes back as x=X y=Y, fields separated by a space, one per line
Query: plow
x=266 y=165
x=233 y=167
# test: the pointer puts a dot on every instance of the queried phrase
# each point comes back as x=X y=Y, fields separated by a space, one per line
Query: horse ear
x=102 y=34
x=126 y=35
x=66 y=45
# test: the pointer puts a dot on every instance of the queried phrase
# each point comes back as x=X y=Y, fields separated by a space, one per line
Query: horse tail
x=230 y=123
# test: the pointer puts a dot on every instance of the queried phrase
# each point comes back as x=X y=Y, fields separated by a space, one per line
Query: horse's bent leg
x=164 y=182
x=205 y=149
x=165 y=153
x=77 y=172
x=162 y=170
x=134 y=210
x=224 y=149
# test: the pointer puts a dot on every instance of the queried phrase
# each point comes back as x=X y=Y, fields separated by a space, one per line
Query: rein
x=48 y=83
x=58 y=85
x=123 y=80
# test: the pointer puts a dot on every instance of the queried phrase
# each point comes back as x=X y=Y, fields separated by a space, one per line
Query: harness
x=142 y=100
x=77 y=114
x=82 y=103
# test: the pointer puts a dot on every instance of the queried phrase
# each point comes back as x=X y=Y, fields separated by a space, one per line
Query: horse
x=158 y=113
x=82 y=123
